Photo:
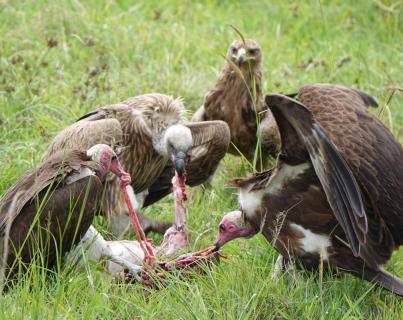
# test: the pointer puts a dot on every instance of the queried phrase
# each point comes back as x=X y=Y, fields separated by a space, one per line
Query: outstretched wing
x=297 y=126
x=210 y=143
x=373 y=155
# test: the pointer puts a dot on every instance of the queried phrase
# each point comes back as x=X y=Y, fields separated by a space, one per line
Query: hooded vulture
x=237 y=99
x=336 y=192
x=154 y=143
x=51 y=207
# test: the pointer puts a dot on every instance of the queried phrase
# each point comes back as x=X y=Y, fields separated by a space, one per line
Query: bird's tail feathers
x=385 y=279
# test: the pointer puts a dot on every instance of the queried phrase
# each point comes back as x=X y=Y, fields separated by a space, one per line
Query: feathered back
x=53 y=170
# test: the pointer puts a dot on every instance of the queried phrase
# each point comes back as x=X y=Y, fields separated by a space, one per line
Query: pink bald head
x=108 y=161
x=233 y=225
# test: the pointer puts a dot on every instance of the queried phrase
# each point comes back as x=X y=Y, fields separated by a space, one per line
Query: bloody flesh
x=175 y=238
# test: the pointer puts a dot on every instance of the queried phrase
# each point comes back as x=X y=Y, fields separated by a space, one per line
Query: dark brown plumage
x=50 y=213
x=336 y=192
x=237 y=99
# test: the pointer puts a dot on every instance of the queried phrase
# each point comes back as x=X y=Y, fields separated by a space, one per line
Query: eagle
x=237 y=99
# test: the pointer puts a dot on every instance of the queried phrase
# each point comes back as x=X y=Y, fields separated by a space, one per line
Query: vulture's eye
x=221 y=227
x=253 y=52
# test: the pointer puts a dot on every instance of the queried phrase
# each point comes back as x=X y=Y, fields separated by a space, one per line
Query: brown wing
x=199 y=115
x=93 y=128
x=349 y=149
x=296 y=124
x=270 y=137
x=52 y=171
x=210 y=143
x=55 y=222
x=373 y=155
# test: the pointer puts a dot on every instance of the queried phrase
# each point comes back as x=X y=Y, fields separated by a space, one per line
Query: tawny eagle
x=237 y=99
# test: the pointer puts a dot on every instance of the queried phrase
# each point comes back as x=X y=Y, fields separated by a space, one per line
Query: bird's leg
x=141 y=237
x=278 y=268
x=282 y=265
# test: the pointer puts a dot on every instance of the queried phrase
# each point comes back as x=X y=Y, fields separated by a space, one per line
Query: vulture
x=153 y=142
x=237 y=99
x=46 y=212
x=335 y=195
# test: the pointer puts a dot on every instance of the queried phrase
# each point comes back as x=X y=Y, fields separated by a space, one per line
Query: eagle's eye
x=233 y=50
x=253 y=52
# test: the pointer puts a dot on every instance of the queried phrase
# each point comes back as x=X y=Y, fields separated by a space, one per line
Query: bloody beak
x=179 y=162
x=117 y=169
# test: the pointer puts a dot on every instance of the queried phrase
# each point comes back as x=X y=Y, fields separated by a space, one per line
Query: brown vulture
x=153 y=142
x=237 y=99
x=51 y=207
x=336 y=192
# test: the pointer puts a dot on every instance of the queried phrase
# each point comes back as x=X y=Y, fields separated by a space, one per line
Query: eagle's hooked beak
x=240 y=57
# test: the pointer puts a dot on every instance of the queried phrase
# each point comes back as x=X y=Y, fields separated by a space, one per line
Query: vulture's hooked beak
x=217 y=245
x=229 y=230
x=179 y=159
x=117 y=169
x=220 y=240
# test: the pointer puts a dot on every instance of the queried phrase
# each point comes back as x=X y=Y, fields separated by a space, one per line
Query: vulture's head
x=108 y=161
x=176 y=144
x=244 y=53
x=233 y=225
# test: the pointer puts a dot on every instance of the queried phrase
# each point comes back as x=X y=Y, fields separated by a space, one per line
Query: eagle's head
x=244 y=52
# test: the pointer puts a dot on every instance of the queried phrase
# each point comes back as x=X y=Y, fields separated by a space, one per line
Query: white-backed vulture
x=336 y=193
x=153 y=142
x=237 y=99
x=51 y=207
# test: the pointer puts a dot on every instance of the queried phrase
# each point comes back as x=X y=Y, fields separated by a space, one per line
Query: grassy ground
x=60 y=59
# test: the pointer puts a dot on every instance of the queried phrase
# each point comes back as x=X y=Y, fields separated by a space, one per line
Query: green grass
x=60 y=59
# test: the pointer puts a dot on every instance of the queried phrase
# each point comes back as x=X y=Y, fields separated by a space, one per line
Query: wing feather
x=210 y=143
x=51 y=172
x=85 y=133
x=335 y=175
